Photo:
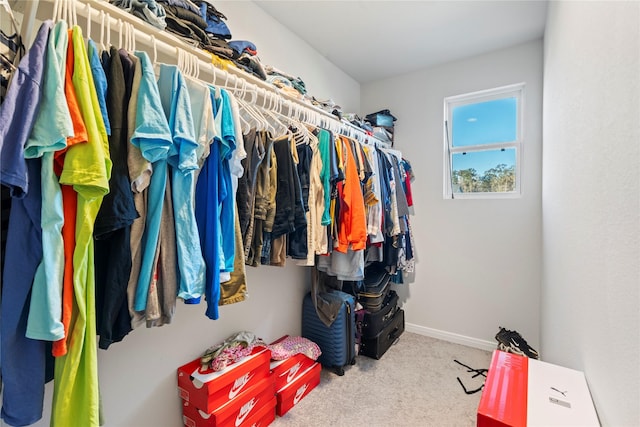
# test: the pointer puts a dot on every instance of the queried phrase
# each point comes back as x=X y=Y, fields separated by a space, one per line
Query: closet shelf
x=167 y=46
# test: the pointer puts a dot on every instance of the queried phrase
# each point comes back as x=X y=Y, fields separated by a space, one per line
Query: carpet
x=413 y=384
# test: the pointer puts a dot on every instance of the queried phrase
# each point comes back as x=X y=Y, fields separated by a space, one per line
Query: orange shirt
x=69 y=203
x=352 y=228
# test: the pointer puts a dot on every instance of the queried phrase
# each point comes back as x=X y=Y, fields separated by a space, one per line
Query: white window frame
x=511 y=91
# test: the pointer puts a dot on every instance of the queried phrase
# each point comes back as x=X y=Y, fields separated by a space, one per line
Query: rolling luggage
x=373 y=322
x=336 y=342
x=378 y=345
x=372 y=291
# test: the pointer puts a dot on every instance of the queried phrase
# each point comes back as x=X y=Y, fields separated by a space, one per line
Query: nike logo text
x=299 y=394
x=245 y=410
x=238 y=385
x=293 y=371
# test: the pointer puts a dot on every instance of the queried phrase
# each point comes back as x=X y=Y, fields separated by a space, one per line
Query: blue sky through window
x=483 y=160
x=484 y=123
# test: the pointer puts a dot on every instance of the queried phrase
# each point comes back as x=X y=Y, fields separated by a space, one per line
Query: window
x=483 y=143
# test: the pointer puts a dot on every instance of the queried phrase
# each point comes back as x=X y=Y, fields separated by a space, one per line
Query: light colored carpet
x=414 y=384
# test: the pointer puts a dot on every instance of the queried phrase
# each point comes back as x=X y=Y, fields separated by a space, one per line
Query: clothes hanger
x=68 y=12
x=120 y=33
x=277 y=125
x=196 y=66
x=108 y=31
x=102 y=28
x=250 y=115
x=245 y=124
x=155 y=49
x=88 y=7
x=264 y=110
x=133 y=38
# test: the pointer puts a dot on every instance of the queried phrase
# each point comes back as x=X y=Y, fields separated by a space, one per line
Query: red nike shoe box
x=264 y=416
x=292 y=393
x=287 y=370
x=240 y=411
x=210 y=391
x=520 y=391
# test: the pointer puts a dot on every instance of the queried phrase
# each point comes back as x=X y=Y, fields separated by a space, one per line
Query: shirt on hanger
x=227 y=202
x=208 y=222
x=183 y=162
x=49 y=134
x=100 y=80
x=117 y=213
x=76 y=395
x=23 y=359
x=153 y=137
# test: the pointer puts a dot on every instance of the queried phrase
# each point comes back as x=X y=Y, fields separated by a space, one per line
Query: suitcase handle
x=392 y=335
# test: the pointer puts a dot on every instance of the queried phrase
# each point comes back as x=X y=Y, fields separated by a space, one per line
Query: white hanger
x=108 y=31
x=245 y=125
x=69 y=12
x=247 y=113
x=155 y=49
x=102 y=17
x=56 y=10
x=88 y=7
x=127 y=37
x=196 y=65
x=213 y=73
x=133 y=38
x=119 y=33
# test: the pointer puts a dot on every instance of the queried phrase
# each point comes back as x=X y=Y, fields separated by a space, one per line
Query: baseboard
x=451 y=337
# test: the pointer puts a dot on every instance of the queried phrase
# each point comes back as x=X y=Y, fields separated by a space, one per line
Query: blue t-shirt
x=23 y=359
x=227 y=144
x=100 y=81
x=153 y=136
x=183 y=162
x=207 y=219
x=50 y=131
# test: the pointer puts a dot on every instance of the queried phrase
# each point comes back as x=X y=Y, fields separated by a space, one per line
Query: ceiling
x=373 y=40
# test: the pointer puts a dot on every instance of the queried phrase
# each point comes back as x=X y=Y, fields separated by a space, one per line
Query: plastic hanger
x=120 y=33
x=88 y=7
x=133 y=38
x=108 y=31
x=102 y=29
x=155 y=49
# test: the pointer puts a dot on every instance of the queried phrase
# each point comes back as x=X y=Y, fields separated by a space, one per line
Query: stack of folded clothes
x=283 y=80
x=184 y=19
x=355 y=120
x=327 y=105
x=198 y=23
x=147 y=10
x=245 y=57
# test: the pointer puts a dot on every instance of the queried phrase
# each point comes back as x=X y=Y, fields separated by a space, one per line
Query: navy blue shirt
x=23 y=359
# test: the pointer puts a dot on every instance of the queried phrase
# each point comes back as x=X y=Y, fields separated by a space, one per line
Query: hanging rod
x=169 y=45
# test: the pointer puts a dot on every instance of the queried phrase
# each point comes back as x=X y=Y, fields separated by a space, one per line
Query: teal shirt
x=183 y=162
x=153 y=137
x=324 y=139
x=50 y=131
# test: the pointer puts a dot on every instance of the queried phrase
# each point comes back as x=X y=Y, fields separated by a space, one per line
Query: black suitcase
x=375 y=287
x=374 y=322
x=337 y=342
x=377 y=346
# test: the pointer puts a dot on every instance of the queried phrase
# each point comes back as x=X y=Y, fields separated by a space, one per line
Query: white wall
x=138 y=376
x=591 y=204
x=279 y=47
x=479 y=261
